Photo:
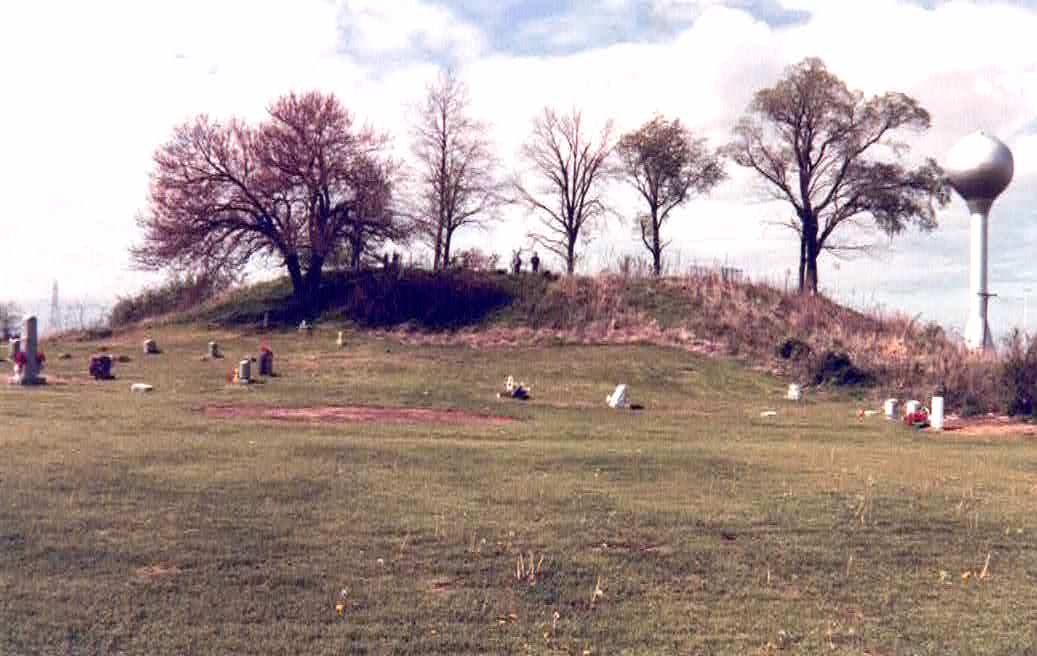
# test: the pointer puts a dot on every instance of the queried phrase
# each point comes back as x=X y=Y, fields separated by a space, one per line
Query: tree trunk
x=570 y=257
x=298 y=283
x=810 y=246
x=802 y=263
x=447 y=235
x=657 y=251
x=436 y=258
x=313 y=277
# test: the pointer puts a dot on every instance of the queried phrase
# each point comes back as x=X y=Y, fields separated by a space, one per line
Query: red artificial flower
x=20 y=359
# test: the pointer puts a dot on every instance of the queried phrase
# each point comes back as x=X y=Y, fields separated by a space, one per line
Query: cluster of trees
x=308 y=187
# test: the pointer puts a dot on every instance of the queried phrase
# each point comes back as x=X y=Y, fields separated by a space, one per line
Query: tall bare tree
x=288 y=188
x=666 y=164
x=571 y=169
x=458 y=179
x=834 y=156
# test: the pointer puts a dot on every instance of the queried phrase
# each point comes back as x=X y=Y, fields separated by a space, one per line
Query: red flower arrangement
x=918 y=418
x=20 y=359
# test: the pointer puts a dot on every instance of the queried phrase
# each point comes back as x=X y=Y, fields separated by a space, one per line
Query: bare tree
x=458 y=179
x=571 y=168
x=831 y=154
x=288 y=188
x=666 y=164
x=10 y=315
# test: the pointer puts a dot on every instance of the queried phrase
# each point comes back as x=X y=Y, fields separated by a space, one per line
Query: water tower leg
x=977 y=329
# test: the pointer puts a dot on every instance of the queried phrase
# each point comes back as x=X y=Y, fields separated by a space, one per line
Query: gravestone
x=341 y=341
x=618 y=398
x=305 y=328
x=101 y=366
x=214 y=350
x=150 y=347
x=244 y=372
x=29 y=361
x=266 y=362
x=14 y=347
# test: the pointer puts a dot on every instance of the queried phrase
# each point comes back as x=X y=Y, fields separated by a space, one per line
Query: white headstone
x=618 y=398
x=794 y=393
x=936 y=417
x=245 y=372
x=150 y=347
x=910 y=407
x=341 y=341
x=141 y=387
x=889 y=408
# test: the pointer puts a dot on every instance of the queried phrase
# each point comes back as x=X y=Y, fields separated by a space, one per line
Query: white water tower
x=979 y=168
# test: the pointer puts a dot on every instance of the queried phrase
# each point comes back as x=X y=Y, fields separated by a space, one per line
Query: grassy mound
x=810 y=339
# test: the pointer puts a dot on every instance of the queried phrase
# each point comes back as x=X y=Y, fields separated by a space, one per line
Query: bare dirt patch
x=992 y=426
x=353 y=413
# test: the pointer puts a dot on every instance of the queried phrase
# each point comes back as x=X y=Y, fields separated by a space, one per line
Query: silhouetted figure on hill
x=534 y=262
x=516 y=263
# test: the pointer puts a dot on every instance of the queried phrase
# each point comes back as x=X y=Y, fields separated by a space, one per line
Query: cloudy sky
x=91 y=88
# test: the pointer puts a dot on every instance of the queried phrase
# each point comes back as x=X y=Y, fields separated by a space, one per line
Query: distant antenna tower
x=55 y=309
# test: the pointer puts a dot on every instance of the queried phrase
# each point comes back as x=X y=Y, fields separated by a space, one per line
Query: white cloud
x=376 y=28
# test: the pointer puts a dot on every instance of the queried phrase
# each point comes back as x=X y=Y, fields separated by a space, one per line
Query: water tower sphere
x=979 y=167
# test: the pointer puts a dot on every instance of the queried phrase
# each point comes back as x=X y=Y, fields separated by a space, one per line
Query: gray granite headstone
x=245 y=372
x=28 y=372
x=266 y=363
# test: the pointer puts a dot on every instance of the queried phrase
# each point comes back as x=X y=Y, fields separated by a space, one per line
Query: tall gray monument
x=27 y=364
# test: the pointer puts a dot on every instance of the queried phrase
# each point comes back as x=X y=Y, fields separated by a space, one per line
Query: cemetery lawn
x=139 y=524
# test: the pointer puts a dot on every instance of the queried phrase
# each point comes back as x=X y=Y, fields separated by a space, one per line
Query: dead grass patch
x=156 y=571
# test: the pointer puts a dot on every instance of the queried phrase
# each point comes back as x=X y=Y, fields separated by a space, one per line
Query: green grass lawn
x=136 y=524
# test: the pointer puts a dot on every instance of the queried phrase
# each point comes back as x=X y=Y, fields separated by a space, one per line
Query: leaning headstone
x=150 y=347
x=244 y=372
x=214 y=350
x=101 y=366
x=28 y=361
x=266 y=362
x=618 y=398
